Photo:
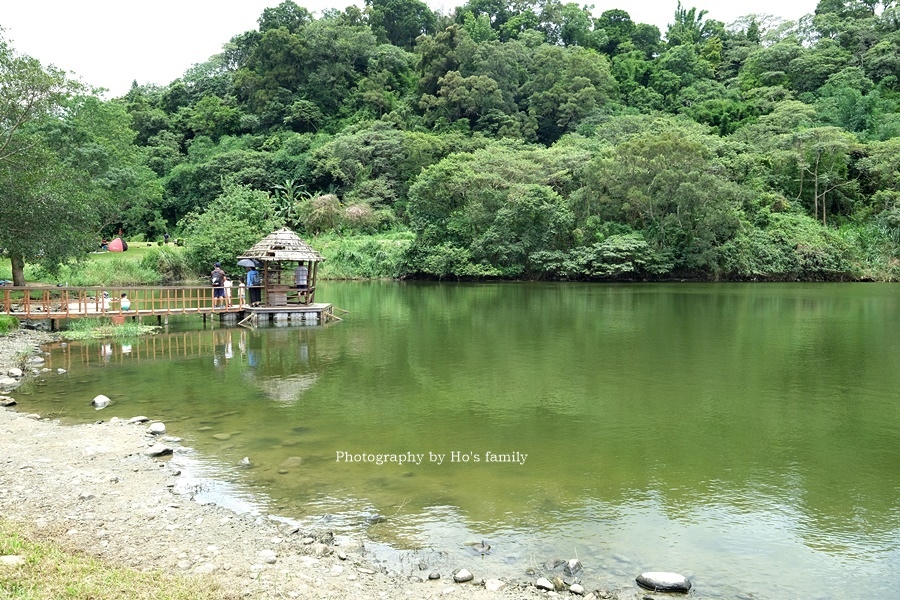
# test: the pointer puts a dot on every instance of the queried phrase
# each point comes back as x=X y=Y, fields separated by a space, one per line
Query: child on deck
x=229 y=286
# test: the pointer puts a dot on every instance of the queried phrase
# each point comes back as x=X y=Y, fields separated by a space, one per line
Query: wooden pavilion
x=282 y=257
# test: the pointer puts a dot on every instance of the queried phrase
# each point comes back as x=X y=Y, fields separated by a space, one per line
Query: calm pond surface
x=744 y=435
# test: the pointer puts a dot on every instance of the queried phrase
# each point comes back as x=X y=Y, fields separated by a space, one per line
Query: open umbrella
x=247 y=262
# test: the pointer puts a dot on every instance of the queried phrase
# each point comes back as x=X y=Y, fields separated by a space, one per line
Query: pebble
x=140 y=419
x=462 y=576
x=157 y=428
x=434 y=575
x=14 y=372
x=543 y=584
x=494 y=585
x=7 y=401
x=577 y=588
x=158 y=450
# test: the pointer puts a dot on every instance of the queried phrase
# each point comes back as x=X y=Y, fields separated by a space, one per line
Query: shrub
x=8 y=323
x=169 y=263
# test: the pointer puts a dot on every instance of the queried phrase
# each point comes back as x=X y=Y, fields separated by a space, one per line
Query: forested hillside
x=531 y=139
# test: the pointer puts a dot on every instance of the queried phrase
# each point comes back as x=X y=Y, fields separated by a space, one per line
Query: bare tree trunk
x=816 y=186
x=18 y=269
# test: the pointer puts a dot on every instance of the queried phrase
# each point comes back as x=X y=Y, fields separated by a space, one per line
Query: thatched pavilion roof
x=282 y=245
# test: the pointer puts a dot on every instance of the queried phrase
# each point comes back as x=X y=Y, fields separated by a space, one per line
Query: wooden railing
x=72 y=303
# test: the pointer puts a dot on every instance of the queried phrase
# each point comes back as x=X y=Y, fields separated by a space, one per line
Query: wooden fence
x=73 y=303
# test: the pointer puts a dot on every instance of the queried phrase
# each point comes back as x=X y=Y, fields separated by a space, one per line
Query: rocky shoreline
x=110 y=489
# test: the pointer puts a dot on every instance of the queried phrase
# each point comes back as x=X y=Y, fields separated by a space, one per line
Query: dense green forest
x=527 y=139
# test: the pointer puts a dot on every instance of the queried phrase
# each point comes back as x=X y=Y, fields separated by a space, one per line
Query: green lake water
x=744 y=435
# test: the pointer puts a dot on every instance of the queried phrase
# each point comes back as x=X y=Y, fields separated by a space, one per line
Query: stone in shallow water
x=100 y=401
x=572 y=566
x=663 y=582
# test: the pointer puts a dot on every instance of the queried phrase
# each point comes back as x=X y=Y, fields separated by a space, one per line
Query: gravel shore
x=96 y=486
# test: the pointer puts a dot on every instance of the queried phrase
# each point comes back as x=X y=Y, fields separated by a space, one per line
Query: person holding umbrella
x=252 y=280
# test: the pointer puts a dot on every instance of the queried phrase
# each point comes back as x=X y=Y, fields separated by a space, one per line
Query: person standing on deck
x=253 y=286
x=217 y=279
x=301 y=274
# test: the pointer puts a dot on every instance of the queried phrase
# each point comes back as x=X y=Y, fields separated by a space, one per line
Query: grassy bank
x=141 y=264
x=347 y=257
x=8 y=323
x=47 y=569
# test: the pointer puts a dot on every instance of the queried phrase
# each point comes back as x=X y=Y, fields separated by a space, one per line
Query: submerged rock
x=553 y=563
x=658 y=581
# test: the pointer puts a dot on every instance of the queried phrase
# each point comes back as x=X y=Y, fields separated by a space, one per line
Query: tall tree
x=42 y=216
x=400 y=22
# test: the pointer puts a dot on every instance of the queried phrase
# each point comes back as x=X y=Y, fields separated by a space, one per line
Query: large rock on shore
x=663 y=582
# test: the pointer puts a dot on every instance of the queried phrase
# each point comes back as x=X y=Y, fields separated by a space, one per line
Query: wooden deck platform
x=317 y=312
x=59 y=303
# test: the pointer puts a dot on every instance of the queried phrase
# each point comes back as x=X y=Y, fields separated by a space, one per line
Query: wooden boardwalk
x=74 y=303
x=58 y=303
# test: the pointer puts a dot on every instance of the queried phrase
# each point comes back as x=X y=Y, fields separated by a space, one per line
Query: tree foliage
x=513 y=139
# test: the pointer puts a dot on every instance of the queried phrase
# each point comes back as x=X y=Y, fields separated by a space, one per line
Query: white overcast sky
x=110 y=43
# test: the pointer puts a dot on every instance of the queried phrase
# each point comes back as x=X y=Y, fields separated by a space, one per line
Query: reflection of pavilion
x=280 y=363
x=290 y=269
